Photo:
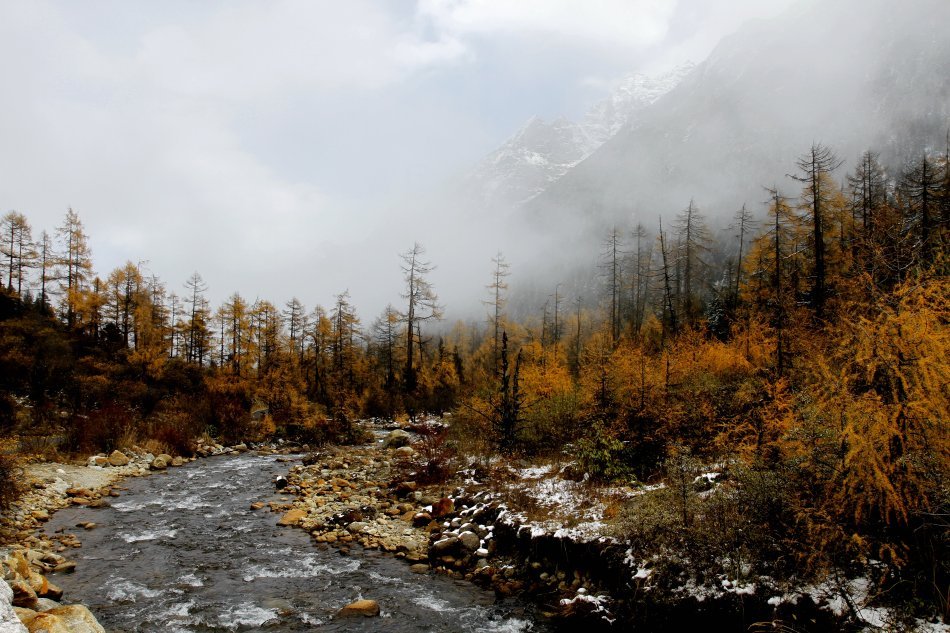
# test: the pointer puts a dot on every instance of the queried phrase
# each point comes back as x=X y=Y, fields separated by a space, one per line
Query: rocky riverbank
x=365 y=496
x=534 y=531
x=29 y=599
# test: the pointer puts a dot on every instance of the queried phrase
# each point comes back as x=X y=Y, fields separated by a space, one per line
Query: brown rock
x=47 y=623
x=161 y=462
x=38 y=583
x=77 y=619
x=257 y=505
x=293 y=517
x=118 y=458
x=51 y=592
x=442 y=507
x=364 y=608
x=24 y=615
x=403 y=488
x=18 y=563
x=23 y=593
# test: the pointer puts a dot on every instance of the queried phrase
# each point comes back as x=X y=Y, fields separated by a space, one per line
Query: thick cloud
x=278 y=147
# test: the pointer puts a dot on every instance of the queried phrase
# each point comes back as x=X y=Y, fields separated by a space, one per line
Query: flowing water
x=182 y=551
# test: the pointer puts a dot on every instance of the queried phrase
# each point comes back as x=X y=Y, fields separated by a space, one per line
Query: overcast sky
x=265 y=144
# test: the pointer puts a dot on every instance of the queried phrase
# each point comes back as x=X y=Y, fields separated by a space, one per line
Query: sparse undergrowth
x=12 y=485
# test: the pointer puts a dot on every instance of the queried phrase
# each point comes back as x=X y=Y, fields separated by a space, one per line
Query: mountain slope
x=822 y=72
x=541 y=152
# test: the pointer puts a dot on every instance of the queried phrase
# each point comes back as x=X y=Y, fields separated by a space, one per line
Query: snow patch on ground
x=598 y=603
x=561 y=507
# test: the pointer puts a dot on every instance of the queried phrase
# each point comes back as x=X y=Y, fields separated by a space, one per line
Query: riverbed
x=183 y=551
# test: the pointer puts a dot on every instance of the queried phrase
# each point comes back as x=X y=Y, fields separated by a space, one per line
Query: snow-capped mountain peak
x=541 y=152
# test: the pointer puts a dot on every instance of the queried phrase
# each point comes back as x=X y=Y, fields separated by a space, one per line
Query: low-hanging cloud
x=278 y=147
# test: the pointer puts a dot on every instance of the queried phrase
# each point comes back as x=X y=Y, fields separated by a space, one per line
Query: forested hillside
x=808 y=354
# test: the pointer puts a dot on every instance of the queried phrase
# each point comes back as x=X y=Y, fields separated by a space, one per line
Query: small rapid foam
x=149 y=535
x=122 y=590
x=306 y=567
x=191 y=580
x=247 y=614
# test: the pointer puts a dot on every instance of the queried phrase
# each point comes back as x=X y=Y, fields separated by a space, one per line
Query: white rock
x=9 y=623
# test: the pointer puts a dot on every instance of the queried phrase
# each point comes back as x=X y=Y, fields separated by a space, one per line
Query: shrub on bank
x=11 y=481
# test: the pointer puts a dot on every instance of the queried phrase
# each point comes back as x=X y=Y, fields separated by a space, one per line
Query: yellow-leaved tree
x=874 y=432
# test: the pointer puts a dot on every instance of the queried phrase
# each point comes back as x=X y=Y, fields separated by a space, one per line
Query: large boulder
x=77 y=618
x=118 y=458
x=160 y=463
x=397 y=439
x=360 y=608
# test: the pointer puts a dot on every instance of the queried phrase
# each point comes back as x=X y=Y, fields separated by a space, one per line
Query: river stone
x=293 y=517
x=444 y=546
x=51 y=592
x=419 y=568
x=118 y=458
x=397 y=439
x=177 y=461
x=470 y=541
x=442 y=507
x=367 y=608
x=98 y=460
x=23 y=594
x=18 y=563
x=8 y=617
x=404 y=452
x=67 y=566
x=159 y=463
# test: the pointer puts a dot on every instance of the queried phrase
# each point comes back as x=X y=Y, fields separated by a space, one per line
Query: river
x=183 y=551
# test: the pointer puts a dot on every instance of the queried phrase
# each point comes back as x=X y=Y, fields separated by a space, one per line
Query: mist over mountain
x=541 y=152
x=851 y=75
